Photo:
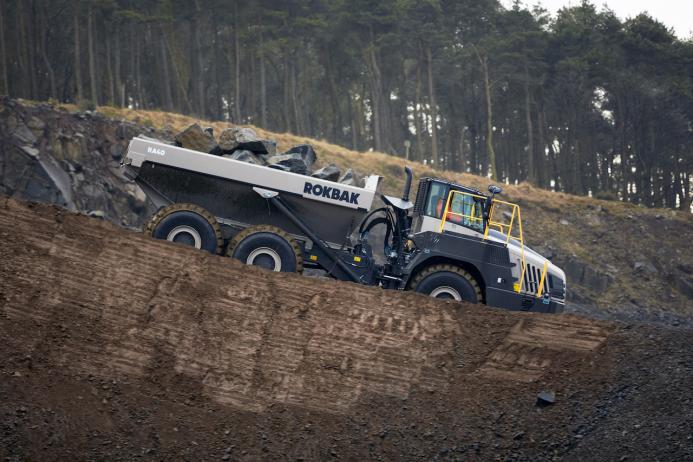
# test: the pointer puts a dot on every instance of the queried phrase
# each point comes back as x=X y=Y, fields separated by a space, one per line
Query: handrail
x=447 y=210
x=543 y=276
x=518 y=286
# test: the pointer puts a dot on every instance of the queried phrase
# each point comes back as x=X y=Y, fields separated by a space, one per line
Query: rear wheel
x=187 y=224
x=447 y=282
x=268 y=247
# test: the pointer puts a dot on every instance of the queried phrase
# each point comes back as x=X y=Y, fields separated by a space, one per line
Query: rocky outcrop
x=73 y=159
x=578 y=272
x=50 y=155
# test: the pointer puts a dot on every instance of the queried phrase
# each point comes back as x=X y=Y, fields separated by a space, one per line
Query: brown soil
x=115 y=347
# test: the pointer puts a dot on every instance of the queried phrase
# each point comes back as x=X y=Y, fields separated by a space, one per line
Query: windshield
x=464 y=209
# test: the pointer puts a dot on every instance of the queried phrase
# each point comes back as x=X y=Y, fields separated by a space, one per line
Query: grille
x=420 y=197
x=532 y=279
x=498 y=256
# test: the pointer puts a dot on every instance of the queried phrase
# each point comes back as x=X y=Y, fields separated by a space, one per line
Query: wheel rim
x=185 y=235
x=447 y=293
x=265 y=257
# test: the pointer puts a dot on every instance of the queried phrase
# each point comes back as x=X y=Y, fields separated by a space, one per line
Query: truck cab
x=465 y=245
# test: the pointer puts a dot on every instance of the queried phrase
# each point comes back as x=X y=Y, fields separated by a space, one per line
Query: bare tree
x=3 y=49
x=77 y=51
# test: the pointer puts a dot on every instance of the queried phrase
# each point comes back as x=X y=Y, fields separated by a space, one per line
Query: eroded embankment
x=116 y=345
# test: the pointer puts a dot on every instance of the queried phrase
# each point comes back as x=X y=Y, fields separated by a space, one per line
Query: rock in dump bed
x=243 y=144
x=116 y=346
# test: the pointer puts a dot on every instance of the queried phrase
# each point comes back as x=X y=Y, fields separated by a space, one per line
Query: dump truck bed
x=170 y=174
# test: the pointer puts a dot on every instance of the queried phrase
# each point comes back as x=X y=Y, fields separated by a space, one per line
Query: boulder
x=240 y=138
x=545 y=398
x=644 y=266
x=293 y=162
x=306 y=152
x=197 y=139
x=348 y=178
x=330 y=173
x=268 y=147
x=245 y=156
x=281 y=167
x=231 y=138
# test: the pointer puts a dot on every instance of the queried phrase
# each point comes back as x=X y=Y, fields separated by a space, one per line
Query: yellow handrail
x=543 y=276
x=447 y=210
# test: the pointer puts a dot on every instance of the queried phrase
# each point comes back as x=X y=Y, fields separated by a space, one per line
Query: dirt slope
x=115 y=346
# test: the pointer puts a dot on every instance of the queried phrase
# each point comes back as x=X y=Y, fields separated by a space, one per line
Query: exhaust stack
x=407 y=186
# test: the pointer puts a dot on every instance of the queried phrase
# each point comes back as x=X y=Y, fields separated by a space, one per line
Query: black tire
x=187 y=224
x=447 y=282
x=268 y=247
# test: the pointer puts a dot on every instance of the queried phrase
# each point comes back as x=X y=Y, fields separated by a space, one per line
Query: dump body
x=170 y=174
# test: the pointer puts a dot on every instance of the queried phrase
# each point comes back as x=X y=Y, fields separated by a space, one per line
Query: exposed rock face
x=330 y=173
x=585 y=275
x=72 y=160
x=197 y=139
x=684 y=284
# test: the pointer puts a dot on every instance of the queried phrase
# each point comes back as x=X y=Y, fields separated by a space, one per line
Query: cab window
x=464 y=210
x=437 y=195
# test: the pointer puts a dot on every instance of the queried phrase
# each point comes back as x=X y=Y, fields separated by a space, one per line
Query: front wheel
x=447 y=282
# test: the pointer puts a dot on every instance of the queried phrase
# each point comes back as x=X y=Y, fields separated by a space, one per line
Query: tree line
x=583 y=102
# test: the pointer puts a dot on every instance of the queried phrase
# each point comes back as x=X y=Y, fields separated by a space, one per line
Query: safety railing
x=511 y=229
x=472 y=216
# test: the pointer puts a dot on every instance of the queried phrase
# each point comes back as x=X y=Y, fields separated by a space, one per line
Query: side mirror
x=493 y=189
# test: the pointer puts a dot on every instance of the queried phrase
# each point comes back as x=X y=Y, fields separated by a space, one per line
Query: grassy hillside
x=631 y=261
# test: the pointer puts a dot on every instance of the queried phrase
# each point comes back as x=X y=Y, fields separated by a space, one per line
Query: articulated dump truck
x=452 y=242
